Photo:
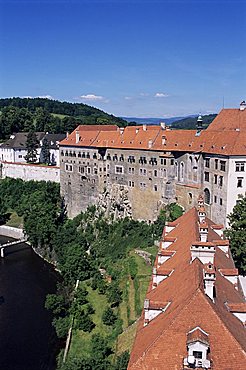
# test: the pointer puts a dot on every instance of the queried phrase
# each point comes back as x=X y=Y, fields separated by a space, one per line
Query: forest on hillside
x=53 y=116
x=190 y=123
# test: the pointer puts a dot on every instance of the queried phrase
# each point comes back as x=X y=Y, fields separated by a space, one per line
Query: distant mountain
x=189 y=123
x=154 y=121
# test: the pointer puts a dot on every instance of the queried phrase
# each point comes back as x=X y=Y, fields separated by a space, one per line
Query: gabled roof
x=162 y=343
x=18 y=141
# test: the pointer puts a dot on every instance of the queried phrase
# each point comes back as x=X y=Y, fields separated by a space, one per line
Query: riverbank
x=18 y=233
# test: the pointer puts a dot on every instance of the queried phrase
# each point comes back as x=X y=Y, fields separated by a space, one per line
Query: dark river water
x=27 y=339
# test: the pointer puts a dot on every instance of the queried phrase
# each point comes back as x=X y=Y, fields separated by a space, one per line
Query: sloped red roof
x=162 y=343
x=225 y=135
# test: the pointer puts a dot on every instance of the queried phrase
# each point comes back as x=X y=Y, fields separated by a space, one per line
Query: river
x=27 y=338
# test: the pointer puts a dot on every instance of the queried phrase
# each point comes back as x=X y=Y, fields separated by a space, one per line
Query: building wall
x=215 y=180
x=30 y=172
x=138 y=183
x=235 y=173
x=117 y=178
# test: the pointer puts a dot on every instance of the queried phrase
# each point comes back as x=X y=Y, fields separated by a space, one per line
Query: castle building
x=194 y=312
x=134 y=171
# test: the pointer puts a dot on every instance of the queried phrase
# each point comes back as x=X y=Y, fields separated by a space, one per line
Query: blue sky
x=148 y=58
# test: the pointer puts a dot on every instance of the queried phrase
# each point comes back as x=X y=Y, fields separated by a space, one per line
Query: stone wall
x=12 y=232
x=28 y=172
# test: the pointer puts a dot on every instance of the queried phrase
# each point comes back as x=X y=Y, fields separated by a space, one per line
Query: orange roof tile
x=237 y=307
x=229 y=272
x=163 y=340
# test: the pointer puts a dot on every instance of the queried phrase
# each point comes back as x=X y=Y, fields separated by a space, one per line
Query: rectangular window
x=215 y=179
x=131 y=170
x=68 y=167
x=88 y=170
x=131 y=159
x=131 y=184
x=222 y=165
x=172 y=162
x=221 y=181
x=163 y=161
x=207 y=164
x=206 y=176
x=155 y=173
x=155 y=188
x=215 y=199
x=239 y=182
x=216 y=164
x=221 y=202
x=197 y=354
x=240 y=166
x=119 y=169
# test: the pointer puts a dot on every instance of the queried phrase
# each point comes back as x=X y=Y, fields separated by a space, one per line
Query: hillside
x=153 y=120
x=40 y=114
x=190 y=123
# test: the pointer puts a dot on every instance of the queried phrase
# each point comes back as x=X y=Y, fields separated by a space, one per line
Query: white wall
x=233 y=191
x=30 y=172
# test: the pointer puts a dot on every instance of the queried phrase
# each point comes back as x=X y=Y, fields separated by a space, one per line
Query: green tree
x=122 y=361
x=31 y=145
x=108 y=316
x=237 y=234
x=114 y=294
x=45 y=152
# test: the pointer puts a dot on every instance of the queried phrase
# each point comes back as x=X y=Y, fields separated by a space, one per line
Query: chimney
x=203 y=231
x=144 y=127
x=137 y=130
x=242 y=105
x=121 y=130
x=163 y=139
x=201 y=214
x=209 y=280
x=150 y=144
x=67 y=134
x=154 y=278
x=200 y=201
x=77 y=136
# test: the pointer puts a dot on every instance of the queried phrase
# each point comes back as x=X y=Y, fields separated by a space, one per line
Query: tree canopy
x=39 y=114
x=237 y=234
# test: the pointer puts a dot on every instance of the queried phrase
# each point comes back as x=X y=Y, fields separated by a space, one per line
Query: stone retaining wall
x=28 y=172
x=11 y=232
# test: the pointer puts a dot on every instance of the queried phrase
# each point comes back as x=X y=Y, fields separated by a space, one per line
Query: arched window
x=190 y=198
x=176 y=169
x=182 y=171
x=206 y=196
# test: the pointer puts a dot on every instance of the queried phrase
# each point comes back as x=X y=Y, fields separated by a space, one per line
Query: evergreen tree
x=45 y=152
x=237 y=234
x=31 y=145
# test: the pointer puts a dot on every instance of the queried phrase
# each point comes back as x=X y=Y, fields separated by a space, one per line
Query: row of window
x=216 y=164
x=142 y=185
x=115 y=157
x=217 y=179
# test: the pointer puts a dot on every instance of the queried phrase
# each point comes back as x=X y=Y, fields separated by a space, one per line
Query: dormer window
x=198 y=349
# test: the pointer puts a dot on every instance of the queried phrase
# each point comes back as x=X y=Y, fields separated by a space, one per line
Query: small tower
x=199 y=124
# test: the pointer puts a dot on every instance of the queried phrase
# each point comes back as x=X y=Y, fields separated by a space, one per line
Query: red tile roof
x=225 y=135
x=162 y=343
x=237 y=307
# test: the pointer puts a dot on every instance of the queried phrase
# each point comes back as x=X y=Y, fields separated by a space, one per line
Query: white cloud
x=128 y=98
x=38 y=96
x=144 y=94
x=92 y=97
x=45 y=96
x=161 y=95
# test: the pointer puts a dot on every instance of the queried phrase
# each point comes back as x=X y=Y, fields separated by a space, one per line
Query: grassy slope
x=127 y=310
